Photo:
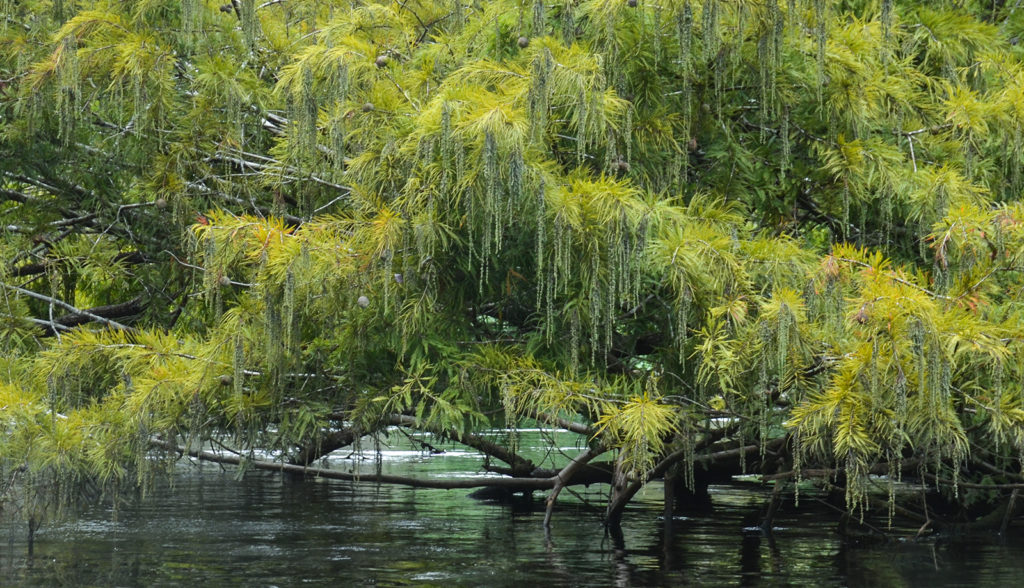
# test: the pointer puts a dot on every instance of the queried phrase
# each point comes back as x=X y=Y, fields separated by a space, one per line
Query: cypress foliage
x=800 y=218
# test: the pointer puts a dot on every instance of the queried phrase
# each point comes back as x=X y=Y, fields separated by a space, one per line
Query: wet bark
x=696 y=499
x=729 y=458
x=331 y=442
x=565 y=476
x=773 y=506
x=668 y=510
x=33 y=525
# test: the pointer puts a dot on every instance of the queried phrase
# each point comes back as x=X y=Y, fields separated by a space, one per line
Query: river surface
x=206 y=527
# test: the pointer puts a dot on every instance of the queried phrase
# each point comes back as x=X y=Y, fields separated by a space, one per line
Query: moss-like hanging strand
x=886 y=18
x=249 y=23
x=69 y=88
x=821 y=36
x=709 y=28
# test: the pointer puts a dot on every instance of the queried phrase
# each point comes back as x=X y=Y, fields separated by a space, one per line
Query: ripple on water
x=212 y=529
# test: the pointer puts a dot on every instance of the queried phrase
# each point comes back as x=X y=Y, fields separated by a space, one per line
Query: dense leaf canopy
x=791 y=230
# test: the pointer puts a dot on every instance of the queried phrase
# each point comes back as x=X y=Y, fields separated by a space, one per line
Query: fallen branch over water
x=439 y=483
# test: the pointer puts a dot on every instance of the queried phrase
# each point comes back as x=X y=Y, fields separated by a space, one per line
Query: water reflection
x=270 y=530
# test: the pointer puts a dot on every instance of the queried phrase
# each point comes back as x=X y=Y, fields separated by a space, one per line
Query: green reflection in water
x=210 y=529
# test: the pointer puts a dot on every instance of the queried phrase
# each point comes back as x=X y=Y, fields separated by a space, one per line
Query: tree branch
x=895 y=278
x=439 y=483
x=521 y=467
x=66 y=306
x=31 y=269
x=109 y=311
x=558 y=421
x=565 y=476
x=616 y=507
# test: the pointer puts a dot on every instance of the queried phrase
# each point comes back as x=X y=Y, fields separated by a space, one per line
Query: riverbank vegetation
x=710 y=237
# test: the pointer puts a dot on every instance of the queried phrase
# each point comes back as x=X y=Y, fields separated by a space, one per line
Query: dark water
x=212 y=529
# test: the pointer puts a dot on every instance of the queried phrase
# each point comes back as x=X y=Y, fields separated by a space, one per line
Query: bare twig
x=896 y=278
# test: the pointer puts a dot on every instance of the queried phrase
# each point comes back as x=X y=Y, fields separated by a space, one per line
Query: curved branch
x=334 y=440
x=109 y=311
x=439 y=483
x=564 y=476
x=578 y=428
x=618 y=504
x=521 y=467
x=66 y=306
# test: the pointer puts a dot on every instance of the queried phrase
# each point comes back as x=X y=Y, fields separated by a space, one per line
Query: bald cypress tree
x=784 y=234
